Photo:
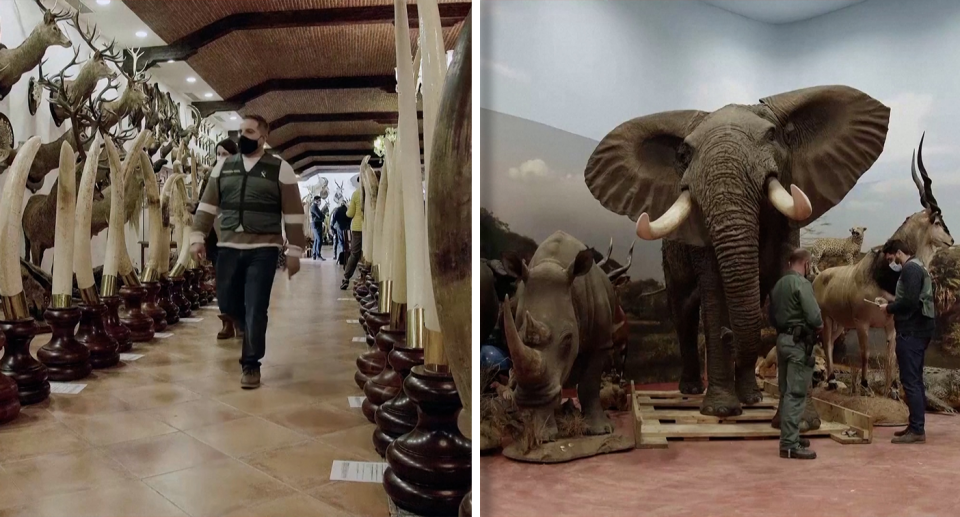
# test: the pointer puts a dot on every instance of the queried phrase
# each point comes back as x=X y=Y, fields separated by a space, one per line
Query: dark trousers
x=317 y=242
x=910 y=352
x=244 y=282
x=356 y=249
x=794 y=373
x=211 y=246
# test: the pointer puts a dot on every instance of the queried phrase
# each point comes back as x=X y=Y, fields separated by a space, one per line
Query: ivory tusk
x=795 y=204
x=82 y=259
x=11 y=219
x=666 y=223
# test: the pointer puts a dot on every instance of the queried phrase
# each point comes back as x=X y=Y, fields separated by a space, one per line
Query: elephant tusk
x=795 y=204
x=666 y=223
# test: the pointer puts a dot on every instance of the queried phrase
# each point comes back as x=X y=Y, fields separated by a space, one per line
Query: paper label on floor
x=355 y=401
x=191 y=320
x=164 y=335
x=361 y=471
x=353 y=321
x=66 y=388
x=360 y=339
x=130 y=357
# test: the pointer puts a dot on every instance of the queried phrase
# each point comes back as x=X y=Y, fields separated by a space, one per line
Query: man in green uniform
x=796 y=316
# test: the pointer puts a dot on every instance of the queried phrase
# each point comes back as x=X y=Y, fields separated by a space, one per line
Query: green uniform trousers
x=794 y=375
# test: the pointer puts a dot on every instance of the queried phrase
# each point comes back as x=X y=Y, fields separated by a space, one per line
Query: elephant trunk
x=737 y=252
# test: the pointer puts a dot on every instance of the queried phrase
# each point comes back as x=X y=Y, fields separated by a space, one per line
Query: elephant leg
x=588 y=391
x=721 y=398
x=681 y=285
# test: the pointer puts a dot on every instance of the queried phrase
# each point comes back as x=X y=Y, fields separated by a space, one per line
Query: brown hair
x=798 y=255
x=262 y=124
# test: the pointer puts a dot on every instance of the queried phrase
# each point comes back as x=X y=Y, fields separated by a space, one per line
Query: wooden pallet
x=660 y=416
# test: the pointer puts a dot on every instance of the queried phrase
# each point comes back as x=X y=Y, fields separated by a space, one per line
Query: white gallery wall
x=17 y=20
x=586 y=66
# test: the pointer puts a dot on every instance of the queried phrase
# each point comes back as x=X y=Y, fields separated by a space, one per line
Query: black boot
x=799 y=453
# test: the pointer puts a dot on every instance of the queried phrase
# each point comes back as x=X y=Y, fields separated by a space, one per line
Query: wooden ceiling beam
x=382 y=117
x=238 y=101
x=317 y=139
x=187 y=46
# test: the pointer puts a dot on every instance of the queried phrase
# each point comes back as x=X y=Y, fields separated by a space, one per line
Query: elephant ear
x=834 y=134
x=634 y=170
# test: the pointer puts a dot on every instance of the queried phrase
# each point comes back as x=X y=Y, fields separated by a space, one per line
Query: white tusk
x=666 y=223
x=795 y=205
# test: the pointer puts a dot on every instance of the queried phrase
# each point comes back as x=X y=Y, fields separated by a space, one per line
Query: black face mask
x=247 y=145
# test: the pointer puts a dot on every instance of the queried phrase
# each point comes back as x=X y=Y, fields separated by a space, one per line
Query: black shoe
x=910 y=437
x=250 y=378
x=799 y=453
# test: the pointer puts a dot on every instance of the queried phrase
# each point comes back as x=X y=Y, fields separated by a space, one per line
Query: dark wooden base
x=19 y=365
x=176 y=292
x=386 y=384
x=65 y=358
x=112 y=325
x=140 y=325
x=373 y=360
x=152 y=308
x=91 y=334
x=189 y=289
x=429 y=467
x=165 y=301
x=397 y=416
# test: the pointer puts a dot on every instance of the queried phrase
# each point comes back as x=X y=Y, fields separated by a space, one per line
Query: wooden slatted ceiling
x=245 y=58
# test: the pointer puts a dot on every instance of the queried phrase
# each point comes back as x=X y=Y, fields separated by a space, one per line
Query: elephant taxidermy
x=714 y=187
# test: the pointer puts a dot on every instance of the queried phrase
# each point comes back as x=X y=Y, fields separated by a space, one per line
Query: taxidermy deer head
x=14 y=62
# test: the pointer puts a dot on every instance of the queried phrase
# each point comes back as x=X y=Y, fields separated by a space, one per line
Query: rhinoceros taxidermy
x=565 y=307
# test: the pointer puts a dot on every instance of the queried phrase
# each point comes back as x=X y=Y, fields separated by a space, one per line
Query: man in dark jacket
x=913 y=315
x=317 y=216
x=341 y=229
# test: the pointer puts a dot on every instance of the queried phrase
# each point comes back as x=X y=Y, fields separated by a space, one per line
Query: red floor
x=738 y=478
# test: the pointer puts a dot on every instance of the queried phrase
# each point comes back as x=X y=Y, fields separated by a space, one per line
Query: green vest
x=926 y=292
x=250 y=200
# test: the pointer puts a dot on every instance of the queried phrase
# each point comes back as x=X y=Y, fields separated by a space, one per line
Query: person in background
x=317 y=217
x=225 y=149
x=258 y=198
x=914 y=316
x=796 y=316
x=355 y=213
x=341 y=227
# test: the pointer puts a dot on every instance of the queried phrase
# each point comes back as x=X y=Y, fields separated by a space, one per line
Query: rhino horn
x=527 y=362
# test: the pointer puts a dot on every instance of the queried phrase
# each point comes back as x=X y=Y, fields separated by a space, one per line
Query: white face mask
x=896 y=267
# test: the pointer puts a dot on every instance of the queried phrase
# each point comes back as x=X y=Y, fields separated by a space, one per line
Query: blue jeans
x=910 y=351
x=317 y=242
x=244 y=282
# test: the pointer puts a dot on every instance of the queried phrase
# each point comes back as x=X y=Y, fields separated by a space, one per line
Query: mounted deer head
x=17 y=61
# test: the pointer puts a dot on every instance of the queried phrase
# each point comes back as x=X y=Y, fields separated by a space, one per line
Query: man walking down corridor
x=258 y=198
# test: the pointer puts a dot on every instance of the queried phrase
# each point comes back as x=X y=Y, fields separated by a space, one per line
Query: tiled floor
x=173 y=434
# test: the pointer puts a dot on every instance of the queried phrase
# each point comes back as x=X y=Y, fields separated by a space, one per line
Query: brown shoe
x=910 y=437
x=229 y=330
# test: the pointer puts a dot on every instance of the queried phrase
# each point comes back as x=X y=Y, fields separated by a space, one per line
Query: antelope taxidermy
x=843 y=292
